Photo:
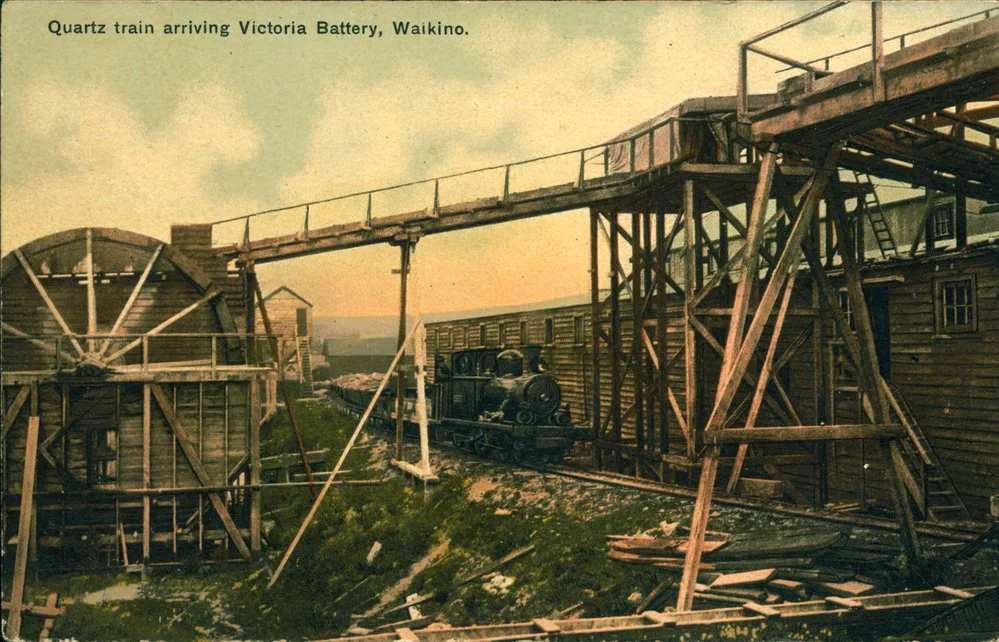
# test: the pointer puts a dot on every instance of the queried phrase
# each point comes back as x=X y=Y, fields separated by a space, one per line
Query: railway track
x=952 y=532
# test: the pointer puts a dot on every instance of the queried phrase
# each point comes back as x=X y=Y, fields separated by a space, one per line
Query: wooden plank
x=761 y=609
x=254 y=460
x=38 y=609
x=15 y=408
x=546 y=626
x=48 y=301
x=805 y=433
x=847 y=589
x=845 y=602
x=23 y=526
x=958 y=593
x=147 y=530
x=184 y=441
x=131 y=301
x=50 y=603
x=746 y=578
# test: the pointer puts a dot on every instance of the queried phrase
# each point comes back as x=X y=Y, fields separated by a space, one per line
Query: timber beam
x=804 y=433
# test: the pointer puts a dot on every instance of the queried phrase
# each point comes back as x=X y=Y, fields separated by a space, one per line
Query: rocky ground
x=444 y=544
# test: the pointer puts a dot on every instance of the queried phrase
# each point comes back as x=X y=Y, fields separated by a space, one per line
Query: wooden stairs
x=939 y=500
x=305 y=367
x=870 y=204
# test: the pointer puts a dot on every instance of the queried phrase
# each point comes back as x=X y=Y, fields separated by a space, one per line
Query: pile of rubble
x=824 y=564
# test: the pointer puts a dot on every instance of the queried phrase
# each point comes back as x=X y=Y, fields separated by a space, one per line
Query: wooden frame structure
x=144 y=427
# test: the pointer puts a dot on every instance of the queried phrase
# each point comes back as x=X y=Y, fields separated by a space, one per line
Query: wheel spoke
x=91 y=295
x=38 y=342
x=211 y=294
x=45 y=297
x=131 y=301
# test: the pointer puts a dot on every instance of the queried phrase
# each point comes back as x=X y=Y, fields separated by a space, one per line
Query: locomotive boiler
x=494 y=402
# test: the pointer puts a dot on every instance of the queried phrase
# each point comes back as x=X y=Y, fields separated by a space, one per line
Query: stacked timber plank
x=821 y=564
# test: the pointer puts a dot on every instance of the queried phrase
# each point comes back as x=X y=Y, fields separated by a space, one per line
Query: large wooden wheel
x=90 y=298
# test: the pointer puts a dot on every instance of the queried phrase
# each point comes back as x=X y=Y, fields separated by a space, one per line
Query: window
x=482 y=334
x=104 y=457
x=956 y=301
x=523 y=332
x=463 y=335
x=578 y=337
x=710 y=265
x=445 y=339
x=432 y=338
x=502 y=333
x=549 y=330
x=942 y=222
x=844 y=305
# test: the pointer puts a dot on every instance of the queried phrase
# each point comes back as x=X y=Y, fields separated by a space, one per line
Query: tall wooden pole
x=637 y=348
x=23 y=526
x=615 y=335
x=689 y=338
x=289 y=406
x=595 y=332
x=400 y=377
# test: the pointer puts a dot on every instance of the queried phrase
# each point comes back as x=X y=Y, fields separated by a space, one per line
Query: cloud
x=115 y=170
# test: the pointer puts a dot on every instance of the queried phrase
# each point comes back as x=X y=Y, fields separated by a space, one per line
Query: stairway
x=941 y=501
x=305 y=367
x=871 y=205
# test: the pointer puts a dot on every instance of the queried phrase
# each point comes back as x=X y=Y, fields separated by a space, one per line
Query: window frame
x=939 y=306
x=502 y=333
x=578 y=330
x=934 y=215
x=482 y=334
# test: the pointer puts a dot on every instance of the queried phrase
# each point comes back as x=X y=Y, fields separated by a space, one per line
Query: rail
x=876 y=44
x=624 y=156
x=147 y=353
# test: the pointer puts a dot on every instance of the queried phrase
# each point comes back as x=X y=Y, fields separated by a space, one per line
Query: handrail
x=987 y=13
x=601 y=152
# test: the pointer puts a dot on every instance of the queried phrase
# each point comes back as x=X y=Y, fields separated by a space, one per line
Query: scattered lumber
x=762 y=571
x=653 y=595
x=760 y=576
x=847 y=589
x=489 y=568
x=750 y=548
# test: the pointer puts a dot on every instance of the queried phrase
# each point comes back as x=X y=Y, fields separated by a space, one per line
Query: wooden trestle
x=653 y=625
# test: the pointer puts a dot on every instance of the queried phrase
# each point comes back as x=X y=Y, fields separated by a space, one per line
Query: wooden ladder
x=305 y=366
x=941 y=501
x=871 y=205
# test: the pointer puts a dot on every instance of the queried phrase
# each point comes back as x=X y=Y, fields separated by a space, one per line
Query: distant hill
x=378 y=335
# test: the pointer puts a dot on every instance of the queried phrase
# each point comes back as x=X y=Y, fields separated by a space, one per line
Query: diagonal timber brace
x=187 y=446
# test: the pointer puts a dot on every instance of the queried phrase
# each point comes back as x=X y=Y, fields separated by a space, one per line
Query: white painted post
x=420 y=358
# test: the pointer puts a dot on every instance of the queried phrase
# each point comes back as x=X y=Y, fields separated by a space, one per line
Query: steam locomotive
x=499 y=403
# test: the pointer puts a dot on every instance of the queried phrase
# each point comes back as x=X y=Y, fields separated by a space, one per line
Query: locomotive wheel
x=506 y=450
x=517 y=451
x=479 y=445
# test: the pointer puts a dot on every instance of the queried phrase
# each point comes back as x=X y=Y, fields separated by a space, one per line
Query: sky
x=147 y=130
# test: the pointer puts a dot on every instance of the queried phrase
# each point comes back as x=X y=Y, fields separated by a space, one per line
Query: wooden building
x=936 y=320
x=131 y=404
x=290 y=316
